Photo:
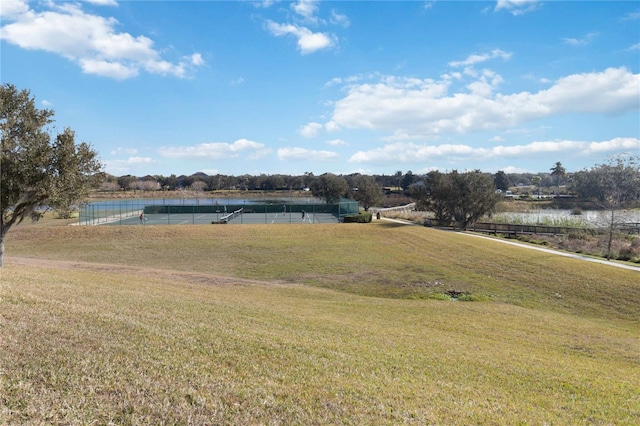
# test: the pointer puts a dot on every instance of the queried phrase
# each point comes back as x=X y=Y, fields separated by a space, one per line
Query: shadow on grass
x=393 y=224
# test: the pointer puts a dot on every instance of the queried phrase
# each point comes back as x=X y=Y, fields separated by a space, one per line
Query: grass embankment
x=189 y=339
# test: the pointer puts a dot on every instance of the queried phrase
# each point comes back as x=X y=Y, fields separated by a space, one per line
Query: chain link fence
x=185 y=211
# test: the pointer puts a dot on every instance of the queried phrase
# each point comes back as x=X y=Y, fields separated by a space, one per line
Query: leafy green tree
x=501 y=181
x=126 y=181
x=432 y=195
x=459 y=198
x=329 y=187
x=475 y=197
x=74 y=172
x=369 y=193
x=616 y=183
x=273 y=182
x=36 y=171
x=408 y=180
x=558 y=172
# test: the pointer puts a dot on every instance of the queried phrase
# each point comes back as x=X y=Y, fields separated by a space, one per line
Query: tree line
x=398 y=182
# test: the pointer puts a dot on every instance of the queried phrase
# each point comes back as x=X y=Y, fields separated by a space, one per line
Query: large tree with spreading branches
x=38 y=170
x=367 y=191
x=456 y=198
x=329 y=187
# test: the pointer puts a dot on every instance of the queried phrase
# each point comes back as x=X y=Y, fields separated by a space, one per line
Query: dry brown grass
x=228 y=325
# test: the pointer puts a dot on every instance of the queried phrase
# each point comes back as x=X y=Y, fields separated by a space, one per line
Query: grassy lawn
x=301 y=324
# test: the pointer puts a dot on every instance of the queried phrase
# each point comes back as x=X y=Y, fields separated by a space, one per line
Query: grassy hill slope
x=309 y=324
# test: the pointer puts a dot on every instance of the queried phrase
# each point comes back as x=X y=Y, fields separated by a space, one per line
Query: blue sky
x=250 y=87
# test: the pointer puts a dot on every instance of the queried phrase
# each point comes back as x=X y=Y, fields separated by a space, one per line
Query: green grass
x=311 y=325
x=380 y=260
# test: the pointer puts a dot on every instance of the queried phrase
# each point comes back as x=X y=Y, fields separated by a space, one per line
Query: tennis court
x=244 y=213
x=221 y=218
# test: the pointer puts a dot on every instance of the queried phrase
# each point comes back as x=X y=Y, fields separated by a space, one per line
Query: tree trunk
x=610 y=236
x=1 y=250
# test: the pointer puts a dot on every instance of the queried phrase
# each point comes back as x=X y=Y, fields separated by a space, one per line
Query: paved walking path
x=532 y=247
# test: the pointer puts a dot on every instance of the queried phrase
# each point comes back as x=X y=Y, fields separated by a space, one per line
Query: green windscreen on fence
x=171 y=211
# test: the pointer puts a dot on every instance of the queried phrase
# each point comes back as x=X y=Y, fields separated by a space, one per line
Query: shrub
x=362 y=217
x=473 y=298
x=440 y=296
x=631 y=251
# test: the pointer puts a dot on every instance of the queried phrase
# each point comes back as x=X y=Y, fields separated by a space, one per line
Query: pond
x=125 y=203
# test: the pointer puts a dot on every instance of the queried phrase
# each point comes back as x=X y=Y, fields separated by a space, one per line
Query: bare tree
x=199 y=186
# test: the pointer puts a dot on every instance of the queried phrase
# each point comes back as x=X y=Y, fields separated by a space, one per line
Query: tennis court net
x=230 y=216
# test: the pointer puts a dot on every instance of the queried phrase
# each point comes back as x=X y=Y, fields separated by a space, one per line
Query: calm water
x=124 y=203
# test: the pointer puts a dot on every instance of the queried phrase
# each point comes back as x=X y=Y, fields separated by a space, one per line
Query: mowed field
x=300 y=324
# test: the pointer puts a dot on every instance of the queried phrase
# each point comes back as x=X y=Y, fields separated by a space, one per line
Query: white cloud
x=119 y=167
x=115 y=70
x=196 y=59
x=128 y=151
x=302 y=154
x=476 y=59
x=514 y=169
x=210 y=172
x=216 y=150
x=308 y=41
x=103 y=2
x=580 y=41
x=612 y=91
x=635 y=47
x=91 y=41
x=350 y=79
x=264 y=3
x=517 y=7
x=617 y=144
x=139 y=160
x=310 y=130
x=631 y=16
x=333 y=82
x=486 y=84
x=11 y=9
x=412 y=153
x=411 y=107
x=332 y=126
x=47 y=104
x=336 y=142
x=339 y=19
x=306 y=8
